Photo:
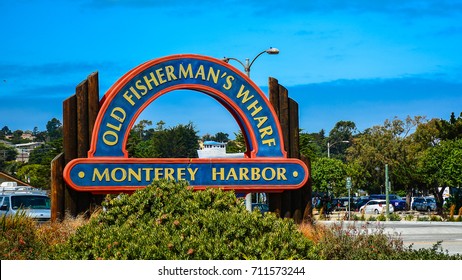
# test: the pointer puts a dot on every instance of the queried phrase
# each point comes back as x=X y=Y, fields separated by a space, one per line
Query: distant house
x=25 y=149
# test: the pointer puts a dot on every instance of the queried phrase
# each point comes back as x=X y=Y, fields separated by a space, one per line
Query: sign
x=108 y=168
x=348 y=183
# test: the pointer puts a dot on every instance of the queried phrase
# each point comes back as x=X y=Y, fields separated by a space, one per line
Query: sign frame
x=141 y=86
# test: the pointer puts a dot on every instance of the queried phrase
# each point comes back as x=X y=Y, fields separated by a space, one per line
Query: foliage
x=328 y=172
x=36 y=175
x=18 y=238
x=176 y=142
x=7 y=153
x=169 y=221
x=22 y=238
x=353 y=242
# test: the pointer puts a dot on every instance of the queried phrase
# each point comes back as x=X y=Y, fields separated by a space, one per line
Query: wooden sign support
x=294 y=204
x=79 y=115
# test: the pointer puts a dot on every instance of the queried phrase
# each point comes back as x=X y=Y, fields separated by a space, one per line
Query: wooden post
x=57 y=188
x=70 y=148
x=289 y=203
x=79 y=115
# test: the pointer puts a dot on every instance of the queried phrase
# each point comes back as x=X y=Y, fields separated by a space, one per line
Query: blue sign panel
x=88 y=173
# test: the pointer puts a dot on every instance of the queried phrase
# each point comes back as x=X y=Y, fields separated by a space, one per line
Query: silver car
x=35 y=203
x=376 y=206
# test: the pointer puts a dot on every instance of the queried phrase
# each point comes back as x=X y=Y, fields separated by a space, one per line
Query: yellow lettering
x=132 y=89
x=128 y=98
x=169 y=71
x=99 y=176
x=213 y=74
x=254 y=107
x=265 y=175
x=200 y=72
x=245 y=95
x=243 y=172
x=136 y=175
x=255 y=172
x=231 y=173
x=158 y=173
x=229 y=82
x=149 y=81
x=269 y=142
x=141 y=87
x=281 y=173
x=185 y=72
x=221 y=173
x=107 y=135
x=160 y=75
x=147 y=173
x=169 y=173
x=181 y=173
x=118 y=114
x=260 y=120
x=192 y=173
x=122 y=172
x=268 y=130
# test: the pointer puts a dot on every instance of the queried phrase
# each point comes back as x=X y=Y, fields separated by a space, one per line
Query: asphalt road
x=419 y=234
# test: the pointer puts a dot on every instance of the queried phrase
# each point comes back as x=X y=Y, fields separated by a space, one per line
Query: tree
x=329 y=175
x=382 y=145
x=178 y=142
x=311 y=144
x=34 y=175
x=452 y=129
x=54 y=129
x=343 y=131
x=441 y=167
x=7 y=153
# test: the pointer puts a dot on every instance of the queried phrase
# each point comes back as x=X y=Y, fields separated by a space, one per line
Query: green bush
x=168 y=220
x=394 y=217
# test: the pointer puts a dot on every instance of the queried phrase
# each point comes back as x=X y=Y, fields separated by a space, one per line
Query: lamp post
x=330 y=145
x=247 y=65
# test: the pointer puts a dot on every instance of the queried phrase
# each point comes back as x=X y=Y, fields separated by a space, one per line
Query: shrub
x=167 y=220
x=394 y=217
x=435 y=218
x=351 y=243
x=409 y=217
x=18 y=238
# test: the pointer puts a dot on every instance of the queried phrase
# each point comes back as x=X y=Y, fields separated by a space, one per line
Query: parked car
x=424 y=204
x=34 y=202
x=399 y=203
x=360 y=202
x=376 y=206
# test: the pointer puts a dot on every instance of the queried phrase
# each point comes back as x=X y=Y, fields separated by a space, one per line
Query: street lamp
x=330 y=145
x=247 y=65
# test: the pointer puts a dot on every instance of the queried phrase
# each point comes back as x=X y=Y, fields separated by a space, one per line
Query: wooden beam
x=57 y=188
x=93 y=102
x=82 y=119
x=70 y=148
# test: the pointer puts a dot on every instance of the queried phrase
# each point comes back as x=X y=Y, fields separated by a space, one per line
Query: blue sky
x=362 y=61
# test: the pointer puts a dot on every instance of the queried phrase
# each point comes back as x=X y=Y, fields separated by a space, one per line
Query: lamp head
x=225 y=59
x=272 y=50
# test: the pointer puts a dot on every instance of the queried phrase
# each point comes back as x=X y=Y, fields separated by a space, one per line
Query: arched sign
x=108 y=168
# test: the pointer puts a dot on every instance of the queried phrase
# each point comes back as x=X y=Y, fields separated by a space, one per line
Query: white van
x=34 y=202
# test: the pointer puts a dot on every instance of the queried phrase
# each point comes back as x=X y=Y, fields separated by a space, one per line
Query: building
x=25 y=149
x=212 y=149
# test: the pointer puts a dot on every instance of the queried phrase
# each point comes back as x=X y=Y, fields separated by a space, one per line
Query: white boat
x=212 y=149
